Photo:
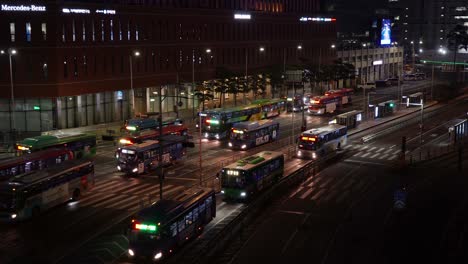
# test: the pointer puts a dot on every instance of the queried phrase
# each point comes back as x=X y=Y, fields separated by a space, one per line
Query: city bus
x=320 y=105
x=82 y=145
x=144 y=157
x=245 y=135
x=243 y=179
x=156 y=231
x=217 y=123
x=317 y=142
x=295 y=103
x=33 y=161
x=271 y=107
x=344 y=94
x=142 y=123
x=151 y=134
x=27 y=195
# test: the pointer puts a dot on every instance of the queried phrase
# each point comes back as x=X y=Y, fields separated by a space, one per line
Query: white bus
x=317 y=142
x=27 y=195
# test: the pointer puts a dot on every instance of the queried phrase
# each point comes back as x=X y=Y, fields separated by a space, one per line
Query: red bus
x=152 y=134
x=344 y=93
x=320 y=105
x=33 y=162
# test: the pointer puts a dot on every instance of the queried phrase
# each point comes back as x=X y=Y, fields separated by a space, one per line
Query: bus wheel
x=36 y=211
x=76 y=195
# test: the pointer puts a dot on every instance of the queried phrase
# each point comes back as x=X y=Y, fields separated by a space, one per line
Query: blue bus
x=144 y=157
x=27 y=195
x=241 y=180
x=245 y=135
x=155 y=232
x=139 y=124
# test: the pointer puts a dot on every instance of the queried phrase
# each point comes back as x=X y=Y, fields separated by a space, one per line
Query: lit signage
x=23 y=8
x=386 y=32
x=76 y=11
x=317 y=19
x=106 y=11
x=379 y=62
x=242 y=16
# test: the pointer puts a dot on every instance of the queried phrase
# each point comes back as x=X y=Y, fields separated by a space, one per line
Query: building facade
x=75 y=62
x=374 y=64
x=424 y=24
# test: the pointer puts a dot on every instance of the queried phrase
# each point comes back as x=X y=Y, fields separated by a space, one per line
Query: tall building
x=75 y=62
x=426 y=23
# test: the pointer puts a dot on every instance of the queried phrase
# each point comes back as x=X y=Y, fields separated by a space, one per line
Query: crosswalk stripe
x=375 y=155
x=295 y=192
x=347 y=146
x=106 y=185
x=329 y=196
x=363 y=148
x=380 y=149
x=324 y=184
x=304 y=195
x=111 y=200
x=365 y=154
x=126 y=188
x=317 y=195
x=93 y=195
x=393 y=157
x=130 y=206
x=388 y=150
x=148 y=186
x=310 y=179
x=372 y=148
x=384 y=156
x=396 y=152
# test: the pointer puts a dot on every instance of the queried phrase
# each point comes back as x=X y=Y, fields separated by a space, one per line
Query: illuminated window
x=63 y=33
x=93 y=32
x=75 y=66
x=120 y=31
x=65 y=68
x=84 y=31
x=73 y=31
x=28 y=31
x=44 y=31
x=111 y=24
x=102 y=30
x=136 y=32
x=128 y=30
x=12 y=32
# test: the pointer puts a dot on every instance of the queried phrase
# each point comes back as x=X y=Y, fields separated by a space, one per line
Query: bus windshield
x=233 y=181
x=307 y=143
x=128 y=155
x=239 y=136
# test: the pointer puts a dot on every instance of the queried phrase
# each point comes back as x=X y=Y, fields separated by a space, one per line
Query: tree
x=457 y=39
x=203 y=93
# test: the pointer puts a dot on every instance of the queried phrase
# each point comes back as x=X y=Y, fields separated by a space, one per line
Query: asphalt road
x=62 y=230
x=344 y=214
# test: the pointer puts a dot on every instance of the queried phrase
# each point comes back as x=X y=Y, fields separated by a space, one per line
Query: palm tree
x=457 y=39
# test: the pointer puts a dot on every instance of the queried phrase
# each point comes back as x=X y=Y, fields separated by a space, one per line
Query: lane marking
x=388 y=150
x=384 y=156
x=295 y=192
x=365 y=155
x=393 y=157
x=317 y=195
x=375 y=155
x=380 y=149
x=304 y=195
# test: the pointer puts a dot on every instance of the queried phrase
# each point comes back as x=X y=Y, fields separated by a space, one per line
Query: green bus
x=217 y=123
x=271 y=107
x=243 y=179
x=82 y=145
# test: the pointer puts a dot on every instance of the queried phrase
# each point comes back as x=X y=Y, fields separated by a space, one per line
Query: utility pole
x=432 y=83
x=200 y=145
x=160 y=166
x=421 y=125
x=193 y=83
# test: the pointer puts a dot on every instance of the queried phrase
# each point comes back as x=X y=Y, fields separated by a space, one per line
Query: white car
x=367 y=86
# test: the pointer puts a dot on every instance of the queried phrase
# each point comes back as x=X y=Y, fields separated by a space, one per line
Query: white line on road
x=304 y=195
x=384 y=156
x=366 y=154
x=375 y=155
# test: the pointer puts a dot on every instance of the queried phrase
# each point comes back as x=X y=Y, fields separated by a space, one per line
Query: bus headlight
x=217 y=136
x=244 y=146
x=230 y=144
x=131 y=253
x=299 y=154
x=158 y=255
x=118 y=167
x=13 y=216
x=206 y=135
x=135 y=170
x=222 y=191
x=314 y=156
x=243 y=194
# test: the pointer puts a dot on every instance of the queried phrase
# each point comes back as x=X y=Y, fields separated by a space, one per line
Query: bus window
x=195 y=213
x=188 y=219
x=173 y=229
x=181 y=225
x=202 y=208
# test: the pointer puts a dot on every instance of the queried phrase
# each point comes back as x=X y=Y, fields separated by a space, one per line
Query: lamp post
x=136 y=54
x=11 y=52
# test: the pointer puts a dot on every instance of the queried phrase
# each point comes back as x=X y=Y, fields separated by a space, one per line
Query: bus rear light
x=308 y=138
x=125 y=141
x=23 y=148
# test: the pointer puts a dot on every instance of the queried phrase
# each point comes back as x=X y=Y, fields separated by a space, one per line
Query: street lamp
x=299 y=47
x=333 y=46
x=11 y=52
x=136 y=54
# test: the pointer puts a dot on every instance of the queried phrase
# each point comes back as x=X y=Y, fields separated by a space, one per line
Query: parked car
x=367 y=86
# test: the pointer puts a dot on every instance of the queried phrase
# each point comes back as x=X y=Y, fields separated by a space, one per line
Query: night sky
x=354 y=15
